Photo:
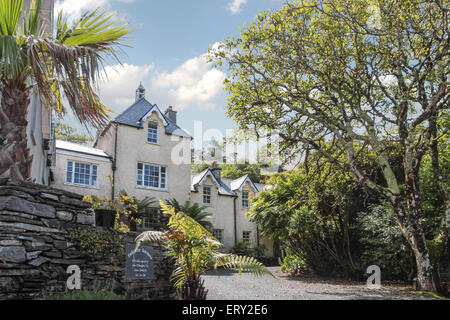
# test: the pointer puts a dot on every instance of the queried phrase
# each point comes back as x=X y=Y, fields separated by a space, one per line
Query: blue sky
x=168 y=43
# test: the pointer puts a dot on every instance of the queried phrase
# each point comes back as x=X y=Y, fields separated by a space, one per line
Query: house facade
x=228 y=201
x=145 y=153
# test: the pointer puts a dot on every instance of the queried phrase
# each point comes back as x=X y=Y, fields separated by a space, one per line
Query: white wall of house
x=221 y=208
x=103 y=164
x=243 y=223
x=133 y=148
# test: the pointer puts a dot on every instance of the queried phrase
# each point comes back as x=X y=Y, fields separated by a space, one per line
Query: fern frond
x=242 y=264
x=179 y=277
x=150 y=237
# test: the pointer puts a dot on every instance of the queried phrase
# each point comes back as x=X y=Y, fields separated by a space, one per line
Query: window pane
x=245 y=202
x=94 y=176
x=246 y=236
x=152 y=176
x=69 y=172
x=152 y=132
x=207 y=195
x=82 y=174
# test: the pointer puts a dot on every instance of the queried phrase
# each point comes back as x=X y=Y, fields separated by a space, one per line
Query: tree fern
x=194 y=250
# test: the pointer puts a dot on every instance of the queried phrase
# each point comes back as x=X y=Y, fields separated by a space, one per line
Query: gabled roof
x=221 y=186
x=239 y=183
x=134 y=115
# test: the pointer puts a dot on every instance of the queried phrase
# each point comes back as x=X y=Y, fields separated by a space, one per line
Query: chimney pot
x=172 y=115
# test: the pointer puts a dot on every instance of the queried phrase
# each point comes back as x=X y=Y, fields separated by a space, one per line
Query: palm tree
x=195 y=251
x=195 y=211
x=66 y=66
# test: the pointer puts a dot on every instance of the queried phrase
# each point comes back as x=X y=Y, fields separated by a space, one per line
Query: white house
x=146 y=153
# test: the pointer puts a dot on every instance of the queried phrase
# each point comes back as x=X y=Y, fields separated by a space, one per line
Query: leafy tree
x=67 y=133
x=195 y=251
x=195 y=211
x=62 y=67
x=310 y=212
x=344 y=76
x=197 y=168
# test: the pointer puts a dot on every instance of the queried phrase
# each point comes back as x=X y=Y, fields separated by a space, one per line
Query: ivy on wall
x=94 y=243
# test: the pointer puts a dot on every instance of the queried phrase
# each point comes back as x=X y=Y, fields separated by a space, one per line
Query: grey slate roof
x=224 y=189
x=226 y=186
x=138 y=110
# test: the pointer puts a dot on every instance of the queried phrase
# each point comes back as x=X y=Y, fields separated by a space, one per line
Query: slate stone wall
x=37 y=246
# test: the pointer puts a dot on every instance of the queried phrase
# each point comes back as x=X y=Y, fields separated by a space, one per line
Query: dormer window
x=207 y=195
x=152 y=132
x=245 y=200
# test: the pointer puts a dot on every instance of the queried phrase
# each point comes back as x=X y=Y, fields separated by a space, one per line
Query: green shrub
x=292 y=263
x=241 y=247
x=383 y=243
x=84 y=294
x=259 y=251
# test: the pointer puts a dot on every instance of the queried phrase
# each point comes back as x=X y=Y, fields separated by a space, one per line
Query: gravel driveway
x=228 y=285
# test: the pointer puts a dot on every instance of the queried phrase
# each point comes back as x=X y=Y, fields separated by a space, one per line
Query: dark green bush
x=383 y=243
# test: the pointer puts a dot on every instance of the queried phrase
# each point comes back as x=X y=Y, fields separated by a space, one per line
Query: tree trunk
x=427 y=277
x=440 y=178
x=15 y=159
x=193 y=289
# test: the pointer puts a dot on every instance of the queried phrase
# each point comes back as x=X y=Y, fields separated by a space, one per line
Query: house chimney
x=172 y=115
x=140 y=92
x=216 y=171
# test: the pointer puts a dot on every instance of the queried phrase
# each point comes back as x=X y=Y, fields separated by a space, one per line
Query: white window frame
x=220 y=237
x=91 y=174
x=207 y=195
x=245 y=200
x=244 y=238
x=155 y=131
x=159 y=188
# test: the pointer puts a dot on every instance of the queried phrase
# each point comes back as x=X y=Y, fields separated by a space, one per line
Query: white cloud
x=235 y=6
x=74 y=8
x=117 y=90
x=193 y=82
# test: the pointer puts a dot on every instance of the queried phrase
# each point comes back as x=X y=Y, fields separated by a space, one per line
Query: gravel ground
x=229 y=285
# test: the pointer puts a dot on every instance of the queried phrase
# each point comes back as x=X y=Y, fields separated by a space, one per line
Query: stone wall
x=38 y=241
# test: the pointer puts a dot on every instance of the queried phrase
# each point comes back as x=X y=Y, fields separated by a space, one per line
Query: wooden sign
x=139 y=265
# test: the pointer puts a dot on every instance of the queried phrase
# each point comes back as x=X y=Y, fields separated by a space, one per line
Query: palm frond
x=71 y=70
x=195 y=211
x=12 y=59
x=9 y=16
x=94 y=29
x=183 y=223
x=31 y=20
